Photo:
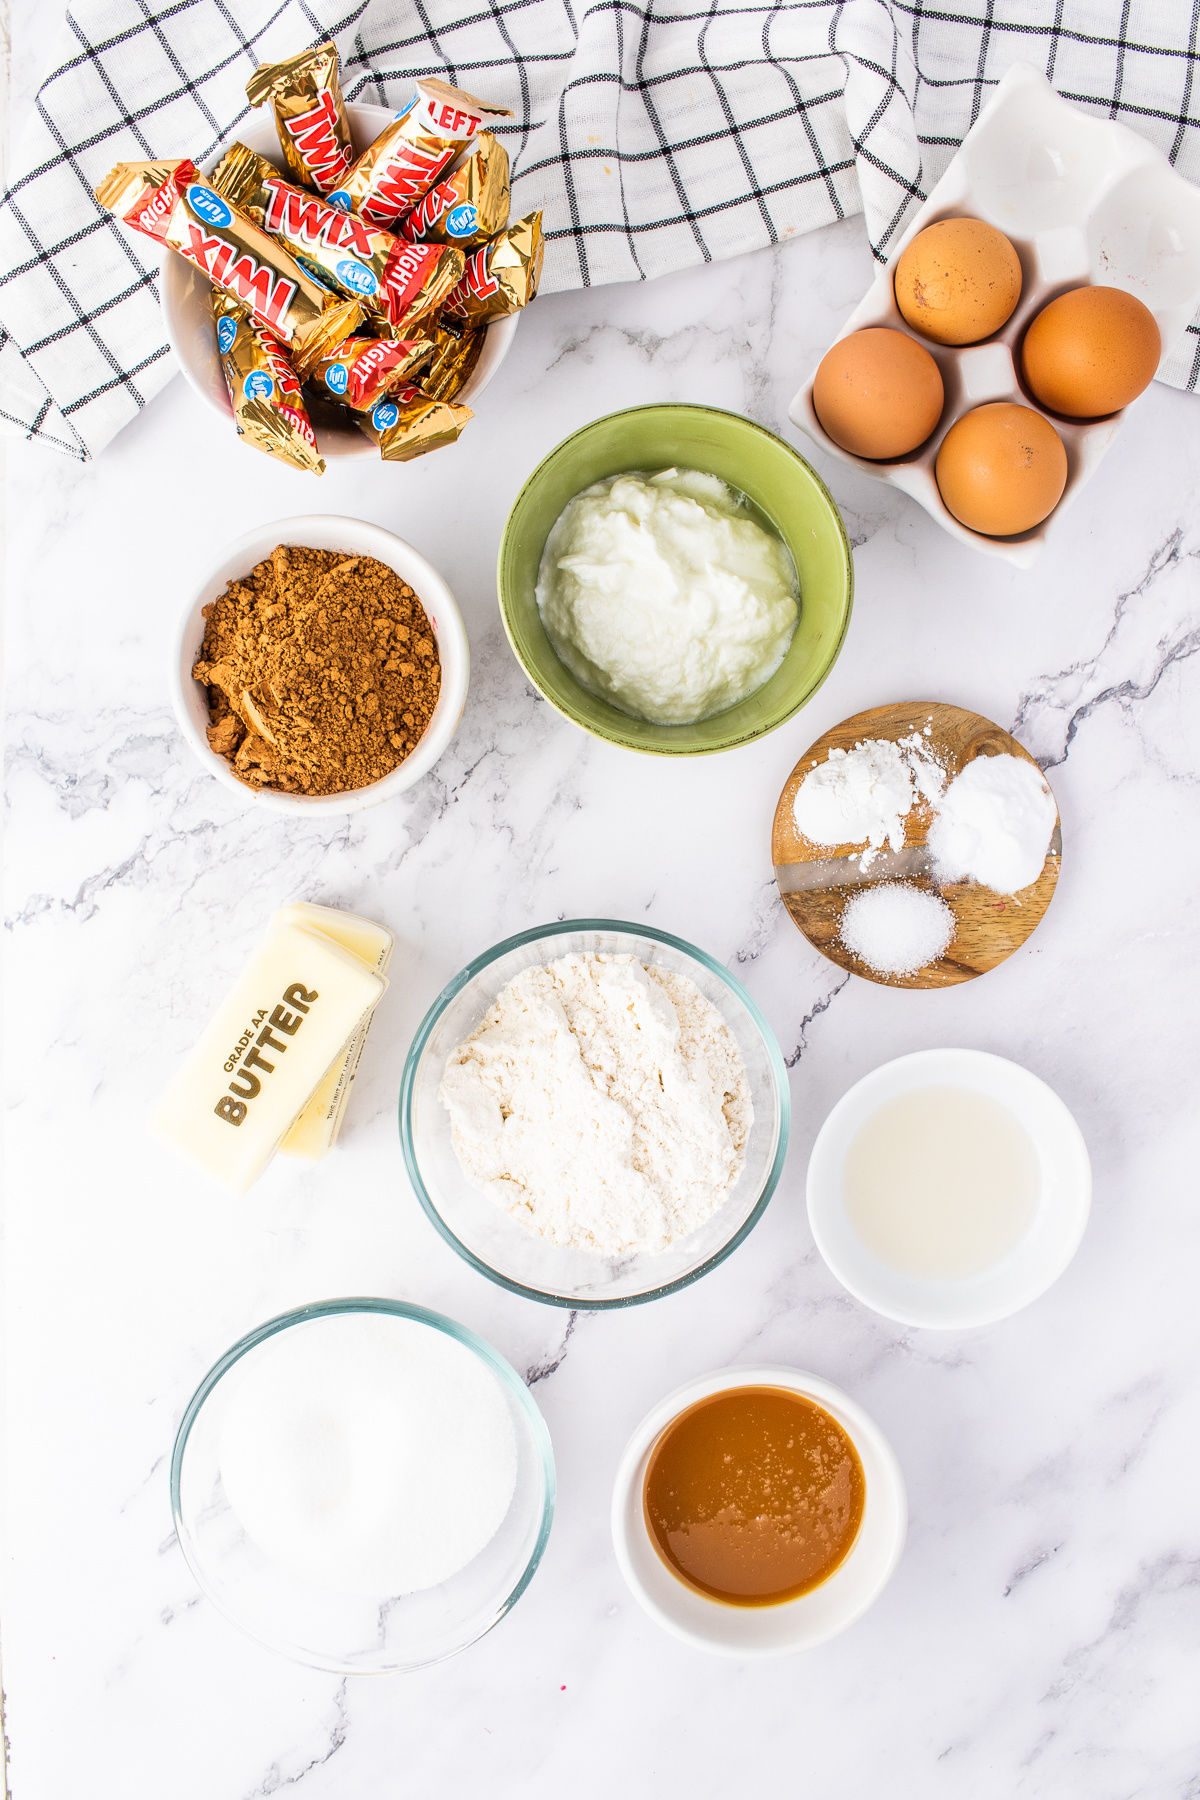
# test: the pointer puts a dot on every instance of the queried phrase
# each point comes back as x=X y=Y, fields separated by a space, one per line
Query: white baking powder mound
x=994 y=824
x=863 y=796
x=368 y=1453
x=602 y=1103
x=897 y=929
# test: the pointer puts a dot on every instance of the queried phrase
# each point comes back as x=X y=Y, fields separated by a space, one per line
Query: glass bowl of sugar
x=363 y=1485
x=621 y=1016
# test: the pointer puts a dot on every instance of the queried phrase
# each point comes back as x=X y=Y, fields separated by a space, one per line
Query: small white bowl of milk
x=949 y=1189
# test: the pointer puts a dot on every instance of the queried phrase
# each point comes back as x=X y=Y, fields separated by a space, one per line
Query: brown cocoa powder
x=322 y=671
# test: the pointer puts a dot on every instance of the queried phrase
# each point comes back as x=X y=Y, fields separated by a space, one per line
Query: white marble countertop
x=1040 y=1635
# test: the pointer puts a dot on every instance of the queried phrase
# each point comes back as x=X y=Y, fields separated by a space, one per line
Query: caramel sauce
x=754 y=1496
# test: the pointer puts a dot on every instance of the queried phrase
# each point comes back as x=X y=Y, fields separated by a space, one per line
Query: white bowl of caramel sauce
x=757 y=1512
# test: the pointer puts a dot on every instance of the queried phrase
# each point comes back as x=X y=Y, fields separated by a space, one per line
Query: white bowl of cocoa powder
x=337 y=651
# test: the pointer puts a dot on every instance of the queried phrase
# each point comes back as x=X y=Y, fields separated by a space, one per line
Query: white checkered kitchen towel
x=655 y=133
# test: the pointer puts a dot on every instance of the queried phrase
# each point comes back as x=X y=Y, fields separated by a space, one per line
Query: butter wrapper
x=470 y=205
x=270 y=1044
x=362 y=370
x=409 y=155
x=172 y=202
x=500 y=277
x=389 y=276
x=455 y=352
x=268 y=406
x=315 y=1131
x=305 y=92
x=409 y=423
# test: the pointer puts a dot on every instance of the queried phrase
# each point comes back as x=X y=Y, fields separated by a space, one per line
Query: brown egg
x=1001 y=469
x=958 y=281
x=1091 y=352
x=878 y=394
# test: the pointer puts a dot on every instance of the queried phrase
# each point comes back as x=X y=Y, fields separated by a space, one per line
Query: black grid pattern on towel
x=655 y=134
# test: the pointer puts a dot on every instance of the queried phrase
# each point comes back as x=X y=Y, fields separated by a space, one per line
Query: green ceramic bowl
x=788 y=494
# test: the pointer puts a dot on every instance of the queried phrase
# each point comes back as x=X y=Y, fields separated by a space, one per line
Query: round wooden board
x=988 y=926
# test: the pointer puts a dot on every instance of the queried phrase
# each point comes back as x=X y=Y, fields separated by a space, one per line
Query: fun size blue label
x=339 y=198
x=356 y=276
x=385 y=414
x=226 y=332
x=258 y=385
x=209 y=206
x=462 y=221
x=337 y=378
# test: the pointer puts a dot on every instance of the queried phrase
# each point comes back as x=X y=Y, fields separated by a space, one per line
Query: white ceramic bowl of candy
x=187 y=308
x=324 y=531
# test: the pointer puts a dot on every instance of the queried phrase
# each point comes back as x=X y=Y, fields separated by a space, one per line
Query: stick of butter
x=315 y=1131
x=273 y=1040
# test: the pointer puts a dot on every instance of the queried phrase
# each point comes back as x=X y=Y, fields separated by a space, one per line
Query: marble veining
x=1039 y=1638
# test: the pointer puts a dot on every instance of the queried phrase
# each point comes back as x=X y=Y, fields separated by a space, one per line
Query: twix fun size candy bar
x=268 y=406
x=454 y=353
x=172 y=202
x=362 y=370
x=390 y=277
x=407 y=157
x=408 y=423
x=500 y=277
x=471 y=204
x=310 y=115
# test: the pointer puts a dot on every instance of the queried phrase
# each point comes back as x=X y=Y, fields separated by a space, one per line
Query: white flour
x=864 y=795
x=603 y=1104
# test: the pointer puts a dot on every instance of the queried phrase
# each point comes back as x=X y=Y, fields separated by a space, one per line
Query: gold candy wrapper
x=172 y=202
x=455 y=354
x=500 y=277
x=407 y=157
x=471 y=204
x=362 y=370
x=310 y=115
x=268 y=407
x=389 y=276
x=409 y=423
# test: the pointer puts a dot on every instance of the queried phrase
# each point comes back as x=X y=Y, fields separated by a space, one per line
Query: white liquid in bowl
x=941 y=1183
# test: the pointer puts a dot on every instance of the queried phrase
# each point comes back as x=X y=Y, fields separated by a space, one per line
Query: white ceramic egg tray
x=1083 y=202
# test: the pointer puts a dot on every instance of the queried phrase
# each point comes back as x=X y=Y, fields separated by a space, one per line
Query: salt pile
x=897 y=929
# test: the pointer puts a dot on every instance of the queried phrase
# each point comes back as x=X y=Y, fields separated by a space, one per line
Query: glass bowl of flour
x=594 y=1114
x=363 y=1485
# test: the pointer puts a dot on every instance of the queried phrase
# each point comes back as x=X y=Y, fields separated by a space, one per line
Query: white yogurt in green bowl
x=664 y=596
x=770 y=486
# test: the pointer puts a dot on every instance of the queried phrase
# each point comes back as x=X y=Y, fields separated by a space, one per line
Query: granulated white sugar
x=368 y=1453
x=896 y=928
